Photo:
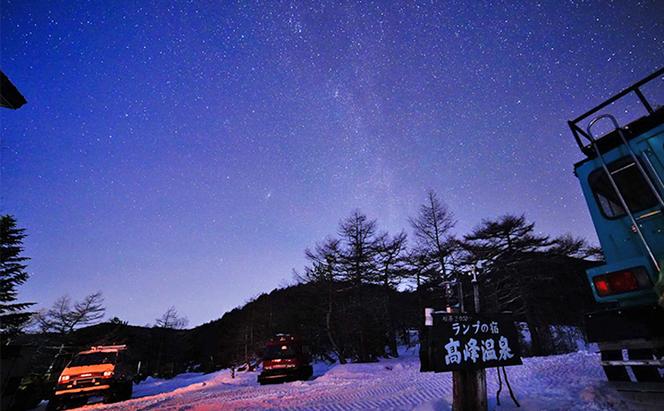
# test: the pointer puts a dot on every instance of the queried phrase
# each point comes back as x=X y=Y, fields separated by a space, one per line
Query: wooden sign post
x=466 y=344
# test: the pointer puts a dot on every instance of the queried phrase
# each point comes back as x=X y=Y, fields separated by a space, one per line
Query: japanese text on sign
x=461 y=341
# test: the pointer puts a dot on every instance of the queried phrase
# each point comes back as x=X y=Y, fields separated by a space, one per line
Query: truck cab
x=621 y=177
x=285 y=359
x=101 y=371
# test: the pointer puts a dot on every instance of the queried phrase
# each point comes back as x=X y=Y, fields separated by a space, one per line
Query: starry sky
x=185 y=153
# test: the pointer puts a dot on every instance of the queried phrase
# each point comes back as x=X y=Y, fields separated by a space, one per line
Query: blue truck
x=621 y=176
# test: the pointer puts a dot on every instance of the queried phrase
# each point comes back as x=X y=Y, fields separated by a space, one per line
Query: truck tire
x=113 y=395
x=76 y=402
x=307 y=372
x=128 y=390
x=54 y=404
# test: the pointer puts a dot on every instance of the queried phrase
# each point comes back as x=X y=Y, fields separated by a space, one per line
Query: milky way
x=186 y=155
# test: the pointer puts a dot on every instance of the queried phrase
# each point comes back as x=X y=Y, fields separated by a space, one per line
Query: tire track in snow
x=573 y=381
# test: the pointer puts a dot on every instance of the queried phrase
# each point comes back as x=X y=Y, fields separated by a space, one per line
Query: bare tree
x=324 y=260
x=359 y=248
x=358 y=264
x=391 y=270
x=391 y=259
x=64 y=316
x=171 y=319
x=432 y=229
x=324 y=269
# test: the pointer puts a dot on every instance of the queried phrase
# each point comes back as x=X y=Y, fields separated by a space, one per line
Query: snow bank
x=153 y=386
x=565 y=382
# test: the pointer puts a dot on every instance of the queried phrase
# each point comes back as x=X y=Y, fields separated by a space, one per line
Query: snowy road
x=567 y=382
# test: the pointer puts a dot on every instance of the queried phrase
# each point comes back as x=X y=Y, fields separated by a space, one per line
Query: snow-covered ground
x=565 y=382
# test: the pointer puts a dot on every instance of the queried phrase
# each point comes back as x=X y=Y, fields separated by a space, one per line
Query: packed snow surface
x=565 y=382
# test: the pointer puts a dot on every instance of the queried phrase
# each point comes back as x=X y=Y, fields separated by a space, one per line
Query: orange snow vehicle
x=101 y=371
x=285 y=359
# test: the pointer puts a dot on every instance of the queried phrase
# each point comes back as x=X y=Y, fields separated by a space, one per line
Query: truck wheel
x=307 y=372
x=58 y=403
x=76 y=403
x=645 y=373
x=113 y=395
x=54 y=404
x=614 y=372
x=128 y=390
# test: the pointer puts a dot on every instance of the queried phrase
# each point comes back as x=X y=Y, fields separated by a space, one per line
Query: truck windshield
x=93 y=359
x=632 y=186
x=279 y=351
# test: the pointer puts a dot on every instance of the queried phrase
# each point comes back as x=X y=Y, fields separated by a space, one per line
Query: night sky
x=186 y=155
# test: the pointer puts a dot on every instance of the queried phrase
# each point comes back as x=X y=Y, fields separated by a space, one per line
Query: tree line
x=64 y=316
x=360 y=294
x=360 y=256
x=363 y=290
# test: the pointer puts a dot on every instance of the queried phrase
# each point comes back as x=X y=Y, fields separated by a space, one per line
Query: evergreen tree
x=568 y=245
x=12 y=274
x=501 y=247
x=504 y=239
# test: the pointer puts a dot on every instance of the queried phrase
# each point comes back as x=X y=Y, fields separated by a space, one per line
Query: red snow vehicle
x=285 y=359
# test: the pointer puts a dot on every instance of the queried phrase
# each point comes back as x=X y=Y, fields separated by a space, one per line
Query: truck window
x=273 y=352
x=631 y=183
x=93 y=359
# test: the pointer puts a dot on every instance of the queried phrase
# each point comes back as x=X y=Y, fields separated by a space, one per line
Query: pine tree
x=13 y=316
x=503 y=247
x=504 y=239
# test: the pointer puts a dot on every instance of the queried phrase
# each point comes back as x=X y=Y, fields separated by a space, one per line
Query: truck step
x=618 y=363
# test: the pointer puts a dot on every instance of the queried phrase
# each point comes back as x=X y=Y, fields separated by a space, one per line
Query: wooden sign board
x=469 y=341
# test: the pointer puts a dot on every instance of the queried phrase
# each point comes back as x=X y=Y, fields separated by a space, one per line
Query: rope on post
x=500 y=386
x=509 y=387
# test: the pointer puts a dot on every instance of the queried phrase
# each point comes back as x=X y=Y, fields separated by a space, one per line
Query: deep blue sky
x=186 y=155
